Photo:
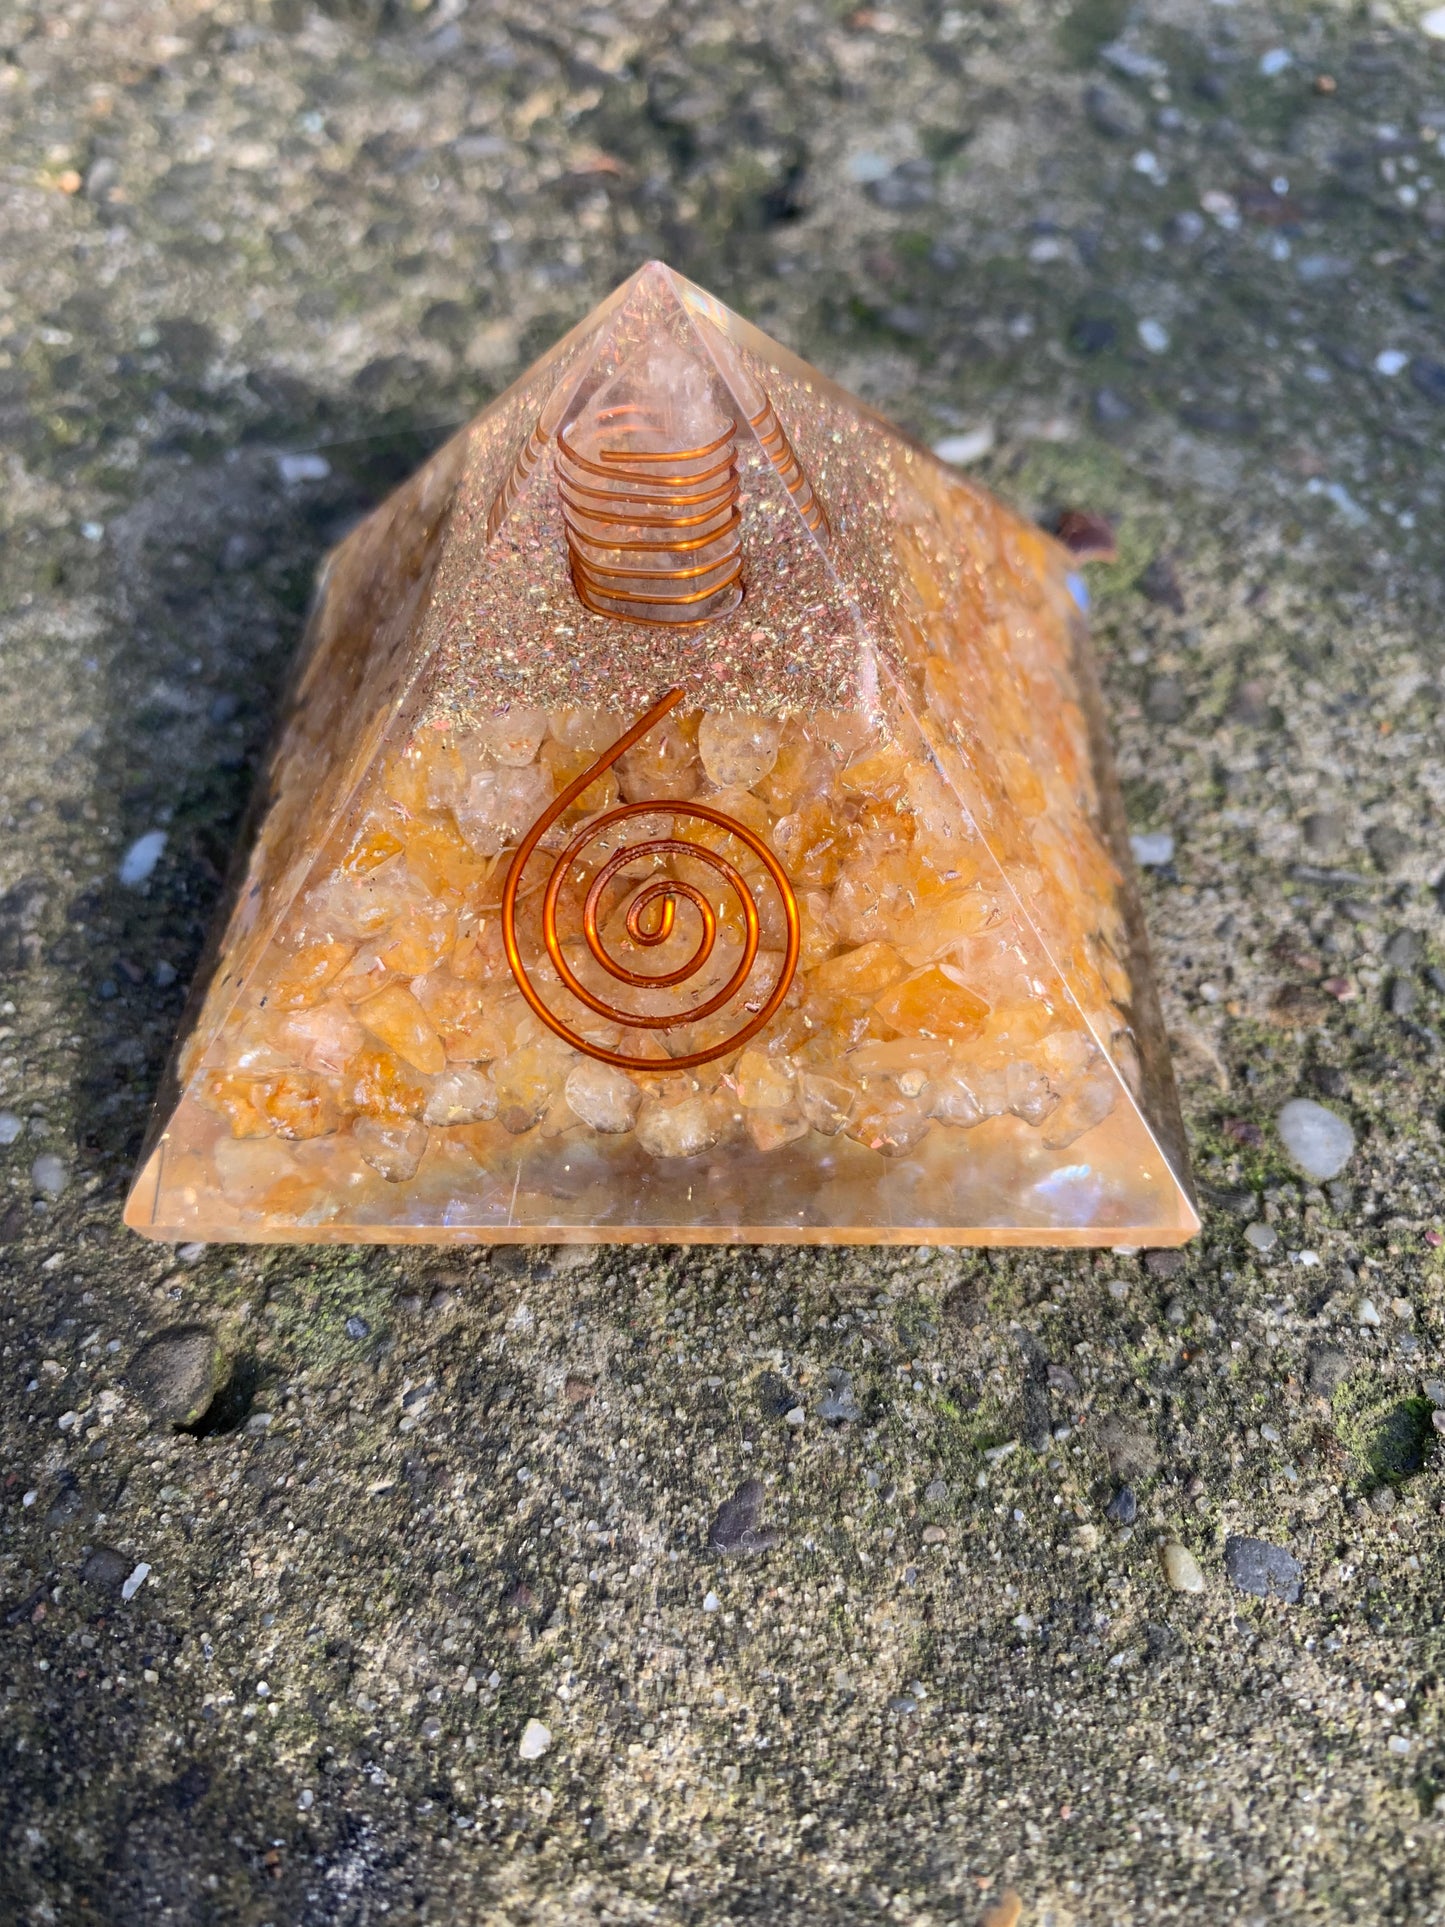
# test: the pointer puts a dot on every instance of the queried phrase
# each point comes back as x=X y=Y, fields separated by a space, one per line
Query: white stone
x=677 y=1130
x=1277 y=61
x=302 y=468
x=866 y=167
x=827 y=1103
x=1320 y=1142
x=1367 y=1315
x=604 y=1097
x=395 y=1150
x=1132 y=61
x=10 y=1127
x=515 y=738
x=1152 y=849
x=49 y=1175
x=971 y=446
x=500 y=805
x=711 y=1602
x=136 y=1580
x=141 y=859
x=1391 y=361
x=1154 y=335
x=535 y=1741
x=461 y=1096
x=1263 y=1237
x=324 y=1038
x=1432 y=24
x=737 y=749
x=1181 y=1568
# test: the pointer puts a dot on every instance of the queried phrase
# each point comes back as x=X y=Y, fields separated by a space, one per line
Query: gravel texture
x=801 y=1559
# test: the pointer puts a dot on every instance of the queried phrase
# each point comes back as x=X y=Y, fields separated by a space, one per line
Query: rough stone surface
x=105 y=1569
x=1123 y=1508
x=736 y=1527
x=1253 y=1565
x=171 y=1375
x=1327 y=1367
x=257 y=259
x=1128 y=1447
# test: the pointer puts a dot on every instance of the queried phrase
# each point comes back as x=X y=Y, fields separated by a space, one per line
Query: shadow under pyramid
x=692 y=821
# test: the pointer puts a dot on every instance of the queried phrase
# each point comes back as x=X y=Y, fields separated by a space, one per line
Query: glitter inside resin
x=692 y=821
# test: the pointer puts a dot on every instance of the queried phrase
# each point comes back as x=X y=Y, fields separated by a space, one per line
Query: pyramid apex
x=657 y=271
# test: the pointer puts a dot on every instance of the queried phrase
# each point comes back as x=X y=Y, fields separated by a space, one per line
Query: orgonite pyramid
x=692 y=821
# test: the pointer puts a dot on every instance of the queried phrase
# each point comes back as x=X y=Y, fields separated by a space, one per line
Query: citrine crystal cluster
x=692 y=822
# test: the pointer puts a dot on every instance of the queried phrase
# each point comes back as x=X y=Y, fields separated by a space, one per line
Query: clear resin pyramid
x=692 y=821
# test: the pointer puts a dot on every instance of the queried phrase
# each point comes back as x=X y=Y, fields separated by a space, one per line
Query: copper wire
x=654 y=535
x=651 y=916
x=779 y=451
x=528 y=456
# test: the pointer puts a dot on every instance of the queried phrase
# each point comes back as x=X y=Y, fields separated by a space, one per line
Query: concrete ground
x=1177 y=262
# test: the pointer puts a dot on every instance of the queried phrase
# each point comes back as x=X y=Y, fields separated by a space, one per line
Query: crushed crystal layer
x=591 y=916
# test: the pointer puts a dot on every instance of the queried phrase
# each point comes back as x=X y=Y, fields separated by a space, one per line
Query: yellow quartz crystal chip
x=693 y=822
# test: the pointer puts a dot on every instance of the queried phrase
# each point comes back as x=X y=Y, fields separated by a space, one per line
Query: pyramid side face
x=718 y=852
x=920 y=1070
x=356 y=661
x=995 y=656
x=360 y=662
x=974 y=611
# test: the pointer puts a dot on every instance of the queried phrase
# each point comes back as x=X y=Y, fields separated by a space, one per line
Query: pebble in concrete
x=736 y=1527
x=1181 y=1568
x=171 y=1375
x=1320 y=1142
x=105 y=1569
x=1270 y=1572
x=535 y=1741
x=1123 y=1508
x=49 y=1175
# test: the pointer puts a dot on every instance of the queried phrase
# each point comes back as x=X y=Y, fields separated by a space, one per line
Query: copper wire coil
x=779 y=451
x=654 y=535
x=528 y=455
x=651 y=916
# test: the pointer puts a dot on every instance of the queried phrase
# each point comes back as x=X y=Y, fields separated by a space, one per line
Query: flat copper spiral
x=656 y=901
x=654 y=535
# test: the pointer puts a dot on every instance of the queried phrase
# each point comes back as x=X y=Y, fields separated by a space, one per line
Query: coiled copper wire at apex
x=651 y=916
x=654 y=535
x=779 y=451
